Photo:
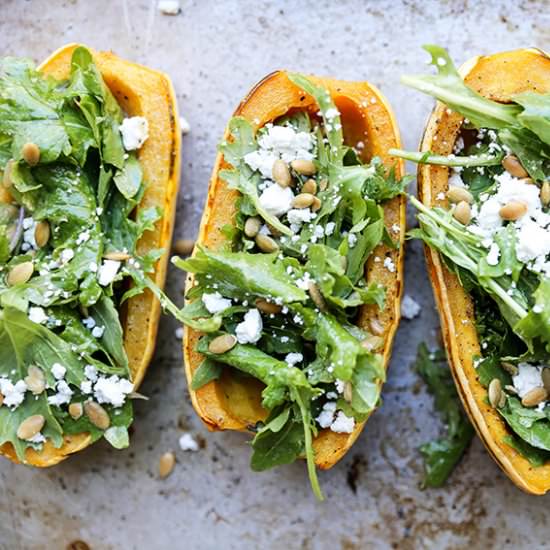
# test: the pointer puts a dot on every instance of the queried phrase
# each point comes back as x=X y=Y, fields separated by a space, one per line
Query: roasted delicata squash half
x=484 y=190
x=295 y=282
x=90 y=154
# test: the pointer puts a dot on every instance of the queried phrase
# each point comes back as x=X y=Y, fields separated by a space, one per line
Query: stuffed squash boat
x=484 y=187
x=89 y=149
x=295 y=283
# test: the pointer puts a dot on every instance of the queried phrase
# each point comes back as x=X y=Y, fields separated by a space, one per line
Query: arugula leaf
x=420 y=157
x=442 y=455
x=208 y=370
x=536 y=113
x=449 y=88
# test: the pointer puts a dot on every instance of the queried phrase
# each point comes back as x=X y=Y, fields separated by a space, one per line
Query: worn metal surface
x=215 y=51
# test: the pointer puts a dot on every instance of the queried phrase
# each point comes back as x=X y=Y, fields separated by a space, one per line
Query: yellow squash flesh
x=149 y=93
x=497 y=77
x=229 y=403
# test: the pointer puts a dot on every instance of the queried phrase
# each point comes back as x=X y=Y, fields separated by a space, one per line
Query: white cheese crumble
x=90 y=372
x=352 y=240
x=293 y=358
x=410 y=308
x=97 y=332
x=528 y=378
x=37 y=315
x=388 y=264
x=297 y=216
x=169 y=7
x=14 y=394
x=112 y=390
x=107 y=272
x=250 y=330
x=134 y=130
x=58 y=371
x=329 y=228
x=343 y=424
x=29 y=227
x=279 y=142
x=277 y=200
x=89 y=322
x=66 y=255
x=493 y=254
x=326 y=416
x=178 y=333
x=188 y=443
x=62 y=396
x=215 y=302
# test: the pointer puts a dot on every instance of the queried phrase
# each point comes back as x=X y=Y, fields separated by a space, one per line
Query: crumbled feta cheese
x=185 y=127
x=298 y=216
x=97 y=332
x=388 y=264
x=14 y=394
x=395 y=228
x=86 y=386
x=215 y=302
x=326 y=417
x=293 y=358
x=169 y=7
x=107 y=272
x=493 y=254
x=329 y=229
x=303 y=282
x=277 y=200
x=37 y=315
x=528 y=378
x=89 y=322
x=36 y=438
x=250 y=330
x=62 y=396
x=90 y=372
x=29 y=228
x=58 y=371
x=352 y=239
x=533 y=242
x=455 y=180
x=339 y=385
x=134 y=130
x=66 y=255
x=188 y=443
x=343 y=424
x=178 y=333
x=112 y=390
x=410 y=308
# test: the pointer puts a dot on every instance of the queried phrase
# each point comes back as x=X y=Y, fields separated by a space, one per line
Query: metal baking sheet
x=215 y=51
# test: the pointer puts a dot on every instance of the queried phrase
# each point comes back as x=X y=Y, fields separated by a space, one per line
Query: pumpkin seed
x=303 y=200
x=266 y=244
x=273 y=230
x=35 y=380
x=222 y=344
x=252 y=226
x=310 y=186
x=184 y=247
x=323 y=184
x=376 y=326
x=30 y=426
x=533 y=397
x=20 y=273
x=372 y=342
x=42 y=233
x=316 y=204
x=545 y=193
x=31 y=153
x=495 y=392
x=267 y=307
x=512 y=211
x=6 y=178
x=166 y=464
x=546 y=379
x=458 y=194
x=509 y=368
x=97 y=414
x=281 y=173
x=348 y=392
x=117 y=256
x=76 y=410
x=463 y=213
x=303 y=167
x=78 y=545
x=512 y=165
x=511 y=389
x=316 y=296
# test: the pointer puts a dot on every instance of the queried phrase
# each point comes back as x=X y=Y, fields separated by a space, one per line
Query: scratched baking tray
x=215 y=51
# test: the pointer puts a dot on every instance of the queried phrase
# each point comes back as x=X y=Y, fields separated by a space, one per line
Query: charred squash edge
x=495 y=76
x=269 y=99
x=140 y=91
